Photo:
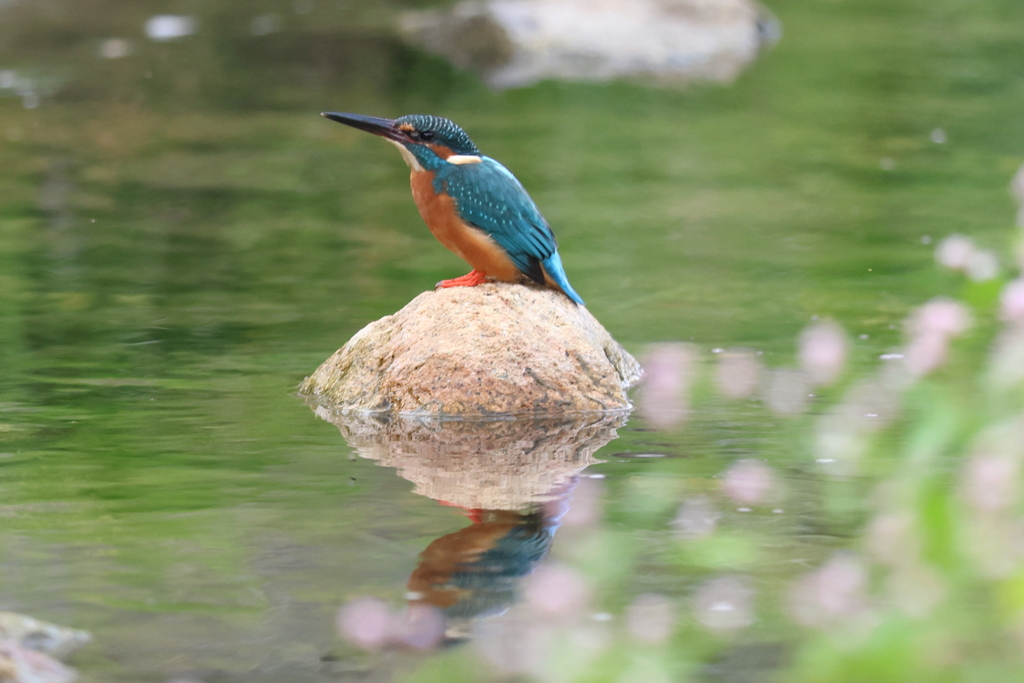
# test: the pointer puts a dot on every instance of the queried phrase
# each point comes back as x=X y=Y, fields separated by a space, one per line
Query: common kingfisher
x=472 y=204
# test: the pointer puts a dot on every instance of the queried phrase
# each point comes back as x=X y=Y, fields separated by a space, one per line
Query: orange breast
x=471 y=244
x=457 y=552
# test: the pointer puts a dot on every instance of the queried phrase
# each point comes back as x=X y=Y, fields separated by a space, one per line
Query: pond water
x=183 y=239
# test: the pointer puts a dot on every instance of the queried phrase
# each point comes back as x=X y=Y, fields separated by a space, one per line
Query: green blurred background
x=183 y=239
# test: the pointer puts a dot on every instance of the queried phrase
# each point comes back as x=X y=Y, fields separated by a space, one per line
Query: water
x=183 y=239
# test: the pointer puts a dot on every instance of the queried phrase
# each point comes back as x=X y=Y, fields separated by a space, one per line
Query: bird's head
x=426 y=142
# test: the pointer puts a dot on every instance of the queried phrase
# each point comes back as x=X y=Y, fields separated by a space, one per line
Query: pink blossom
x=420 y=626
x=737 y=373
x=651 y=619
x=925 y=353
x=724 y=604
x=990 y=481
x=557 y=590
x=1011 y=301
x=664 y=397
x=954 y=252
x=366 y=622
x=832 y=594
x=983 y=265
x=748 y=482
x=696 y=518
x=823 y=352
x=942 y=316
x=785 y=391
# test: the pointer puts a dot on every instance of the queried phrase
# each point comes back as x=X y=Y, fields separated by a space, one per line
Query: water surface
x=183 y=239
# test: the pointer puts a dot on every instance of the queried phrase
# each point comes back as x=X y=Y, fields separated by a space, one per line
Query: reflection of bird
x=475 y=571
x=471 y=203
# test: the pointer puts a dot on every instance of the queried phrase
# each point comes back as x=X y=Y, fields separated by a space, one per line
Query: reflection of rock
x=517 y=42
x=479 y=464
x=487 y=350
x=512 y=478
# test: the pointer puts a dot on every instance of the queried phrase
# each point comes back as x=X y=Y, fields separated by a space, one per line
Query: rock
x=21 y=665
x=1017 y=188
x=481 y=464
x=494 y=349
x=41 y=636
x=513 y=43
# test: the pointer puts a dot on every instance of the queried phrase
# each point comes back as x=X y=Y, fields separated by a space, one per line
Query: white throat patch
x=407 y=155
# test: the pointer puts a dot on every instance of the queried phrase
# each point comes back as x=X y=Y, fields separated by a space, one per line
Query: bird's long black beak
x=385 y=128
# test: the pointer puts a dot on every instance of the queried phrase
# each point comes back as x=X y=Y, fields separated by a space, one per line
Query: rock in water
x=28 y=648
x=513 y=43
x=19 y=664
x=41 y=636
x=494 y=349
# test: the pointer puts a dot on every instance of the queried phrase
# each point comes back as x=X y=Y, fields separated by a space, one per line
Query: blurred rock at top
x=514 y=43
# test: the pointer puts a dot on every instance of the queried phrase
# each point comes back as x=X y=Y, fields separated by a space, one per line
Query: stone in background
x=514 y=43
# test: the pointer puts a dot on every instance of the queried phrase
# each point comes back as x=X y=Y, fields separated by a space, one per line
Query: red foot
x=476 y=515
x=471 y=279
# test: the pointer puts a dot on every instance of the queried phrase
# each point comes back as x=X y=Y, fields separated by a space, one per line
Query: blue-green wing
x=490 y=198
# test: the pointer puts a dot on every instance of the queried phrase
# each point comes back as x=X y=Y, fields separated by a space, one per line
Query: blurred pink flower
x=823 y=352
x=831 y=594
x=925 y=353
x=915 y=589
x=664 y=396
x=871 y=403
x=954 y=252
x=365 y=622
x=839 y=443
x=420 y=626
x=748 y=482
x=737 y=373
x=584 y=506
x=785 y=391
x=557 y=590
x=509 y=644
x=983 y=265
x=651 y=619
x=724 y=604
x=930 y=328
x=696 y=518
x=991 y=482
x=1011 y=301
x=1007 y=364
x=996 y=544
x=892 y=538
x=942 y=316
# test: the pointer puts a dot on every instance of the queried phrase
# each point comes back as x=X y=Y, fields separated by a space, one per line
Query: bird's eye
x=427 y=135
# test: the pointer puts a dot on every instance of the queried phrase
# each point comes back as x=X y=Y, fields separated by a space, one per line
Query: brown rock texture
x=481 y=464
x=494 y=349
x=29 y=648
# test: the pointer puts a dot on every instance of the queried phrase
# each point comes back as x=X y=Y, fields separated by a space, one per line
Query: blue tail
x=553 y=267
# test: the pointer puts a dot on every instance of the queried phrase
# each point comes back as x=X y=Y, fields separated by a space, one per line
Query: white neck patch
x=414 y=164
x=460 y=159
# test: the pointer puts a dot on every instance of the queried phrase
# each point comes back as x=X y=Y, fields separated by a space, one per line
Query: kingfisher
x=472 y=204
